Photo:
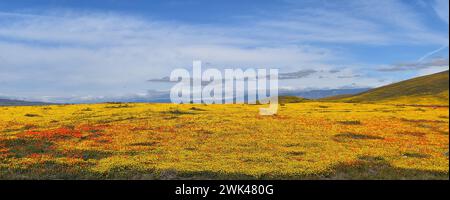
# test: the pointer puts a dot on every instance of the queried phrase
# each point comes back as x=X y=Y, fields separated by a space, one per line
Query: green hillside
x=425 y=90
x=291 y=99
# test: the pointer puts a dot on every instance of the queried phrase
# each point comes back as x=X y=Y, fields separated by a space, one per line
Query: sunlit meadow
x=313 y=140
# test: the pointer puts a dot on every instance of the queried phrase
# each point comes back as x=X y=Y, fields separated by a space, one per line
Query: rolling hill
x=291 y=99
x=425 y=90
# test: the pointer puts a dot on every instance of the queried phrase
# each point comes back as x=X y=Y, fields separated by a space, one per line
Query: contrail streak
x=432 y=53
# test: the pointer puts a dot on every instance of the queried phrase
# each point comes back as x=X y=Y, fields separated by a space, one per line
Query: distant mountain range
x=318 y=94
x=426 y=90
x=164 y=97
x=9 y=102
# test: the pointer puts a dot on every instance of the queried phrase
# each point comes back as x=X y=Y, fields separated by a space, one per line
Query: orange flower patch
x=72 y=154
x=59 y=133
x=93 y=128
x=3 y=152
x=166 y=129
x=38 y=156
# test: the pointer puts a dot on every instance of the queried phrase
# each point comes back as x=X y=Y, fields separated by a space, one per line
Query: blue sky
x=56 y=50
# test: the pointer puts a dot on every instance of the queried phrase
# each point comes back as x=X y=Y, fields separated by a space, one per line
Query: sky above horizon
x=55 y=50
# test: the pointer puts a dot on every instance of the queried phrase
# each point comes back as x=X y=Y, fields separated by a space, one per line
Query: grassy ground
x=165 y=141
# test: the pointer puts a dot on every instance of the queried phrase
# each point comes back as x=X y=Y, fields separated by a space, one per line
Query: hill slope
x=425 y=90
x=291 y=99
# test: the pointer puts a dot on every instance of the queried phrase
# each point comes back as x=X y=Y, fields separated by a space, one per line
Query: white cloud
x=376 y=22
x=108 y=54
x=441 y=7
x=432 y=70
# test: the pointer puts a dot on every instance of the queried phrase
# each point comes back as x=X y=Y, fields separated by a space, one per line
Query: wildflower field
x=313 y=140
